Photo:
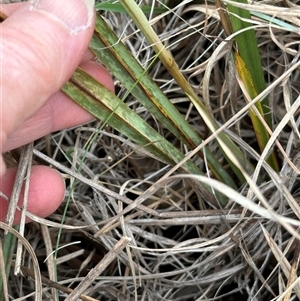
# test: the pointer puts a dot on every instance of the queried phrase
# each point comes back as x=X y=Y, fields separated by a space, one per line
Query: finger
x=40 y=55
x=9 y=9
x=58 y=113
x=46 y=192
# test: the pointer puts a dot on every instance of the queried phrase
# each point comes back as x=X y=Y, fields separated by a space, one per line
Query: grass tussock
x=135 y=228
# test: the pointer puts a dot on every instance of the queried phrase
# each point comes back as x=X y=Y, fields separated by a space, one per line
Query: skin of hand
x=42 y=43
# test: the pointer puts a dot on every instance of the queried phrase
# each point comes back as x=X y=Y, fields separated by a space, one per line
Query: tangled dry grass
x=182 y=244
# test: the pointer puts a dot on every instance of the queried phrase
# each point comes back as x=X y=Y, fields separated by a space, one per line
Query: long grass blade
x=115 y=56
x=250 y=70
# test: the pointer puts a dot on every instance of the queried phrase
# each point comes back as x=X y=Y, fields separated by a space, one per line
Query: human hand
x=41 y=46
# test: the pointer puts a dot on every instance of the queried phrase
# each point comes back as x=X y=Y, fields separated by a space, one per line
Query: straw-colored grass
x=136 y=228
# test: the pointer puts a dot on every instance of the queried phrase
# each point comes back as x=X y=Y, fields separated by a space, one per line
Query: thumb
x=41 y=45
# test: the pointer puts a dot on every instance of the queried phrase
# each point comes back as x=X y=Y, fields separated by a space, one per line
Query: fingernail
x=75 y=15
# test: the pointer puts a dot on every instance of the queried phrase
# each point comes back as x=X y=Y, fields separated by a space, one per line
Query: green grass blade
x=9 y=245
x=275 y=21
x=115 y=56
x=106 y=106
x=166 y=58
x=103 y=104
x=250 y=70
x=248 y=50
